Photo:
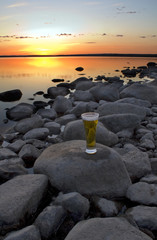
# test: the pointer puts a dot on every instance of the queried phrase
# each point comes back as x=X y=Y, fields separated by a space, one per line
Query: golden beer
x=90 y=121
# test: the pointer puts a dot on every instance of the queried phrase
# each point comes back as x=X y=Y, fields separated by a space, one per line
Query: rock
x=56 y=91
x=62 y=104
x=75 y=130
x=27 y=124
x=107 y=207
x=10 y=136
x=49 y=220
x=80 y=69
x=137 y=162
x=85 y=85
x=130 y=72
x=106 y=228
x=143 y=193
x=84 y=96
x=70 y=169
x=79 y=109
x=119 y=122
x=54 y=128
x=142 y=91
x=10 y=96
x=20 y=111
x=37 y=133
x=47 y=113
x=57 y=80
x=36 y=143
x=144 y=216
x=102 y=92
x=121 y=108
x=78 y=80
x=21 y=195
x=132 y=100
x=40 y=104
x=10 y=168
x=16 y=146
x=153 y=162
x=74 y=203
x=6 y=153
x=92 y=106
x=63 y=120
x=29 y=154
x=151 y=64
x=30 y=232
x=148 y=144
x=39 y=93
x=152 y=179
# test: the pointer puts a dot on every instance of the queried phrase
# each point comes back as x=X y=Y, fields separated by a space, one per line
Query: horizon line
x=85 y=55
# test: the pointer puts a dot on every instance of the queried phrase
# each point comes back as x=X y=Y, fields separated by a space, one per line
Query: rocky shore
x=51 y=189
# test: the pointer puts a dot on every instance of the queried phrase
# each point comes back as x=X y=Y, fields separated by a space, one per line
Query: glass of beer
x=90 y=120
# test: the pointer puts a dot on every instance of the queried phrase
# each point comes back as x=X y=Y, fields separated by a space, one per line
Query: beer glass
x=90 y=120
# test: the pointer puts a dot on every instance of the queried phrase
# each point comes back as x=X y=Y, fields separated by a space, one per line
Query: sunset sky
x=77 y=27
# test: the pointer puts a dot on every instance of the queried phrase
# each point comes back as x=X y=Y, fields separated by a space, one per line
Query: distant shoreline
x=82 y=55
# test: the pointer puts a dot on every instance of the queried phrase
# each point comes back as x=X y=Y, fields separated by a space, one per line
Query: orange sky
x=66 y=27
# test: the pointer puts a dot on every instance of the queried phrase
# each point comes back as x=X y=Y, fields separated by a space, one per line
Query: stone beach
x=50 y=189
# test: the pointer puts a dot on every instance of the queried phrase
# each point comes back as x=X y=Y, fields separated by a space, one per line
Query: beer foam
x=90 y=116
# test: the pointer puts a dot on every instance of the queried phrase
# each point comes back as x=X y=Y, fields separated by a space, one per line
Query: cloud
x=119 y=35
x=64 y=34
x=90 y=42
x=20 y=4
x=142 y=36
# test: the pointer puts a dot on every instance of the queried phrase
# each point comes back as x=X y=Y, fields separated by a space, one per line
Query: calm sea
x=35 y=74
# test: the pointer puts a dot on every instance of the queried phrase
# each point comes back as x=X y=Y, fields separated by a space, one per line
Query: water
x=35 y=74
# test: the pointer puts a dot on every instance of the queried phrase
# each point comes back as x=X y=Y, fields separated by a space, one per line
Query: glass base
x=91 y=151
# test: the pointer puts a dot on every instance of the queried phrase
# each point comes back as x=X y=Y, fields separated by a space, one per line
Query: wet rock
x=37 y=133
x=21 y=195
x=121 y=108
x=106 y=228
x=27 y=124
x=143 y=193
x=151 y=64
x=79 y=69
x=6 y=154
x=74 y=203
x=49 y=220
x=75 y=130
x=56 y=91
x=30 y=232
x=20 y=111
x=144 y=216
x=40 y=104
x=119 y=122
x=39 y=93
x=47 y=113
x=10 y=96
x=54 y=128
x=102 y=92
x=70 y=169
x=62 y=104
x=57 y=80
x=130 y=72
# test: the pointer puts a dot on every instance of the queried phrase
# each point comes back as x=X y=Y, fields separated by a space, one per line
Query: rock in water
x=69 y=169
x=20 y=111
x=79 y=69
x=10 y=96
x=106 y=228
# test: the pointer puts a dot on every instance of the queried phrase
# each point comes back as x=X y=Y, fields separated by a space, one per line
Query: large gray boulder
x=30 y=232
x=142 y=91
x=62 y=104
x=85 y=96
x=70 y=169
x=106 y=229
x=56 y=91
x=20 y=111
x=27 y=124
x=6 y=153
x=119 y=122
x=144 y=216
x=105 y=92
x=36 y=133
x=20 y=197
x=137 y=162
x=132 y=100
x=75 y=131
x=121 y=108
x=47 y=113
